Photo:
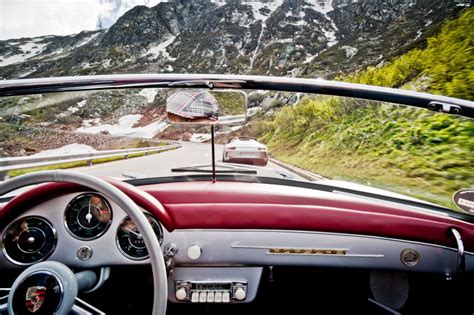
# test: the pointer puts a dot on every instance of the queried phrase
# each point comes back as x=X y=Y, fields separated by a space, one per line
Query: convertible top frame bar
x=246 y=82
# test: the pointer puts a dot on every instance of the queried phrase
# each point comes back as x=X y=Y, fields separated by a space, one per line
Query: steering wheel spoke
x=81 y=307
x=4 y=299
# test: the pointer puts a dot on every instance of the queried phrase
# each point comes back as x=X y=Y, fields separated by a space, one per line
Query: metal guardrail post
x=4 y=176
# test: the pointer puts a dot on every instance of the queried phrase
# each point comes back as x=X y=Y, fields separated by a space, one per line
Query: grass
x=411 y=151
x=230 y=103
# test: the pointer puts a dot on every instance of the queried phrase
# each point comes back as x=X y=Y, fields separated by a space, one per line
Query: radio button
x=218 y=297
x=225 y=297
x=210 y=297
x=203 y=297
x=195 y=297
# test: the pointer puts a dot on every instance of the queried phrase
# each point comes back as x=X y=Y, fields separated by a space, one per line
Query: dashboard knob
x=181 y=294
x=240 y=294
x=194 y=252
x=170 y=250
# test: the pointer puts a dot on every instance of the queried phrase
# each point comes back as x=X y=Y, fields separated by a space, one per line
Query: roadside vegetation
x=411 y=151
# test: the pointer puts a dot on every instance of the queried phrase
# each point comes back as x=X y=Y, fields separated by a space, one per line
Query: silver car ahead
x=245 y=150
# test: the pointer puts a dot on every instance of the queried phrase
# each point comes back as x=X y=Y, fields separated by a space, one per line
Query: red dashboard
x=242 y=205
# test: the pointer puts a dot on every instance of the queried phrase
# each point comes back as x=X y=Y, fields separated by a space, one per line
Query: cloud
x=29 y=18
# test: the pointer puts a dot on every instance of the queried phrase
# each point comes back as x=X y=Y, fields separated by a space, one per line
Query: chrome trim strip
x=460 y=245
x=330 y=255
x=322 y=233
x=268 y=248
x=388 y=309
x=279 y=246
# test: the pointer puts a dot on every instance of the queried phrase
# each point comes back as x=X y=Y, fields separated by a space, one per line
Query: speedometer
x=88 y=216
x=130 y=241
x=29 y=240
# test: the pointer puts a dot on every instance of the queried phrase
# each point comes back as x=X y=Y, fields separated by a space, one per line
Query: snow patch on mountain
x=257 y=6
x=160 y=50
x=125 y=128
x=149 y=94
x=28 y=50
x=219 y=3
x=350 y=51
x=323 y=6
x=200 y=137
x=87 y=40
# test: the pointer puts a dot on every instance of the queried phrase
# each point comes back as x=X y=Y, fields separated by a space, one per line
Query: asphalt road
x=190 y=154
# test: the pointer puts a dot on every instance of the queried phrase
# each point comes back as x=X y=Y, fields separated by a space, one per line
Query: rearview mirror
x=206 y=107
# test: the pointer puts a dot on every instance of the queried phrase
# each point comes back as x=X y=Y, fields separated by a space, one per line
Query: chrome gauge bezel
x=46 y=256
x=160 y=238
x=95 y=236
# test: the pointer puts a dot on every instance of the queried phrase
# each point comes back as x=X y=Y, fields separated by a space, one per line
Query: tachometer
x=88 y=216
x=130 y=241
x=29 y=240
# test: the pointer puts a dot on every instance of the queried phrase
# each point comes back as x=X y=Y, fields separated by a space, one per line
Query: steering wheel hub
x=45 y=288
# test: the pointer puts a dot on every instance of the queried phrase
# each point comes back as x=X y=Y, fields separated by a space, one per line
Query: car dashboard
x=221 y=239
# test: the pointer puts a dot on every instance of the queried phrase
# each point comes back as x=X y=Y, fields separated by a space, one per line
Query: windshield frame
x=428 y=101
x=447 y=105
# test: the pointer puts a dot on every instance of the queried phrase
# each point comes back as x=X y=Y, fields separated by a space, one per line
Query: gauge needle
x=89 y=215
x=133 y=232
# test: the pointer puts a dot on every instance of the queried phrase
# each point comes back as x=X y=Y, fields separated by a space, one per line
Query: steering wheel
x=61 y=275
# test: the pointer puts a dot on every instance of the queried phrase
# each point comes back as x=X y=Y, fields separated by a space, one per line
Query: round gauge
x=130 y=241
x=29 y=240
x=88 y=216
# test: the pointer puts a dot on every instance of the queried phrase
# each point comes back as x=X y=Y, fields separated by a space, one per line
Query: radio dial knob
x=240 y=294
x=181 y=294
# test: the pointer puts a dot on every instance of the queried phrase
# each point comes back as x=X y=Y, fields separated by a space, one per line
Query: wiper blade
x=133 y=175
x=224 y=169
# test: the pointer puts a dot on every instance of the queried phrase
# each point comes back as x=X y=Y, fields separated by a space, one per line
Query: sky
x=29 y=18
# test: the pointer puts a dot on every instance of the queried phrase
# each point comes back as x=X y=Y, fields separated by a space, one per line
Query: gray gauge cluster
x=88 y=216
x=130 y=241
x=29 y=240
x=85 y=223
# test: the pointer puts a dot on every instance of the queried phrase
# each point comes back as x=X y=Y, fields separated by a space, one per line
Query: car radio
x=210 y=292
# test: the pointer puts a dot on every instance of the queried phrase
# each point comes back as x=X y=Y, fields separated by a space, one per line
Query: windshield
x=384 y=148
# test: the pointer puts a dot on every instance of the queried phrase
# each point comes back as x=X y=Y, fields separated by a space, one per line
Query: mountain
x=394 y=147
x=312 y=38
x=112 y=10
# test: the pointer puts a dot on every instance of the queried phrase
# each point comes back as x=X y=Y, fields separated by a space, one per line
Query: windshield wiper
x=221 y=169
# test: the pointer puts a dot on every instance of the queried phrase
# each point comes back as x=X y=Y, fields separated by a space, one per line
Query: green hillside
x=412 y=151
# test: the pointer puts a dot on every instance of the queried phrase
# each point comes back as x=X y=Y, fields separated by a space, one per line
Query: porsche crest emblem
x=35 y=298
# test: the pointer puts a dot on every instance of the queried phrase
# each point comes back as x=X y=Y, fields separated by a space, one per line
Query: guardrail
x=25 y=162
